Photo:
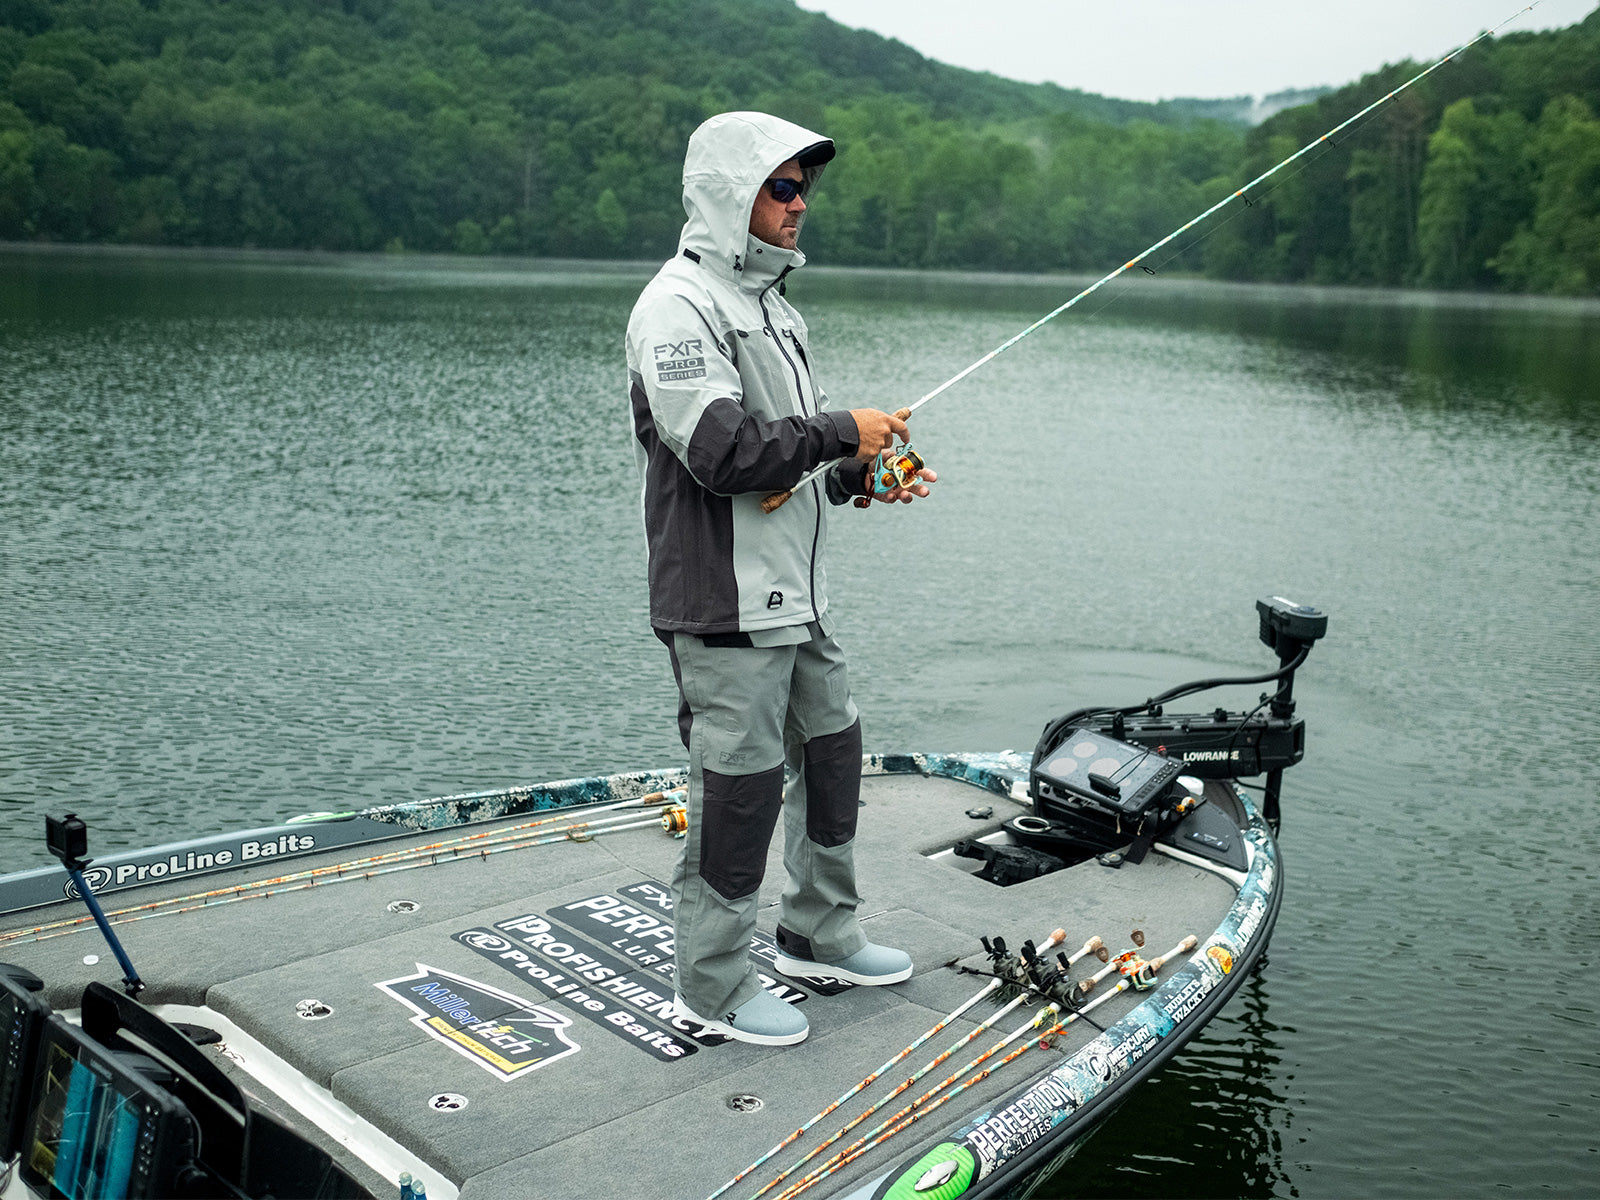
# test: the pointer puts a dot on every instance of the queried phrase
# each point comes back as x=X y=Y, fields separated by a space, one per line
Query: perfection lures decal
x=504 y=1034
x=637 y=922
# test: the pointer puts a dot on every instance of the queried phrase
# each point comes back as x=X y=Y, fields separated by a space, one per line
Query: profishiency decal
x=642 y=930
x=590 y=982
x=609 y=958
x=504 y=1034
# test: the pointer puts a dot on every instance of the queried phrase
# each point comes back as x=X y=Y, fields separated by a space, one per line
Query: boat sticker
x=504 y=1034
x=628 y=1003
x=1022 y=1122
x=943 y=1173
x=996 y=1137
x=637 y=922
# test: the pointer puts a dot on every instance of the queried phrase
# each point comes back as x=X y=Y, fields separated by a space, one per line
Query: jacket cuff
x=849 y=436
x=847 y=479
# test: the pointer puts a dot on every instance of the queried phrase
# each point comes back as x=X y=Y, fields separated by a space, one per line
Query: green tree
x=1558 y=249
x=468 y=237
x=1475 y=188
x=612 y=218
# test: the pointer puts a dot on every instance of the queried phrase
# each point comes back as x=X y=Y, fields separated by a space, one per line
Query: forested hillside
x=1484 y=175
x=556 y=127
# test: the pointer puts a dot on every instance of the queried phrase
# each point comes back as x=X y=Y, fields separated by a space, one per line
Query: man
x=726 y=411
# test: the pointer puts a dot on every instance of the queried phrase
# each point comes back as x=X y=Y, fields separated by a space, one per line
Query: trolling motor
x=1102 y=775
x=67 y=837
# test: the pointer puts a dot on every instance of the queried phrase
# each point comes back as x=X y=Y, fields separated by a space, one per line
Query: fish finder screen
x=20 y=1017
x=87 y=1131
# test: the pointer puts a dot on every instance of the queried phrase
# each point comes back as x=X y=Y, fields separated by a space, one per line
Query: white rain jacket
x=726 y=407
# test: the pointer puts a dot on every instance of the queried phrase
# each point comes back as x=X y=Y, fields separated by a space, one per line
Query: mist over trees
x=556 y=127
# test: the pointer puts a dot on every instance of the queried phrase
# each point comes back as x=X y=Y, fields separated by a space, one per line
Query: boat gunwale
x=1068 y=1126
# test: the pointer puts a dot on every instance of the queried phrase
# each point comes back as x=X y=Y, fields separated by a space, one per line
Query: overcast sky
x=1159 y=49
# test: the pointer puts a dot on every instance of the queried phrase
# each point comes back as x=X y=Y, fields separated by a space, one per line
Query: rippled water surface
x=280 y=536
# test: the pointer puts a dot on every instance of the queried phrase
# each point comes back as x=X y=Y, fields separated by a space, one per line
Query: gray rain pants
x=746 y=712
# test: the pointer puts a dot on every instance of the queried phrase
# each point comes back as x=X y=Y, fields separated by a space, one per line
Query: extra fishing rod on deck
x=777 y=499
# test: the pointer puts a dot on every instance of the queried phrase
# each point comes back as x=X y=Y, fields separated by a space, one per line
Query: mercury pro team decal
x=502 y=1033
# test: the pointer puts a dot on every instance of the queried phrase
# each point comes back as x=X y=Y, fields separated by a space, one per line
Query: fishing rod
x=1055 y=939
x=475 y=844
x=916 y=1110
x=1070 y=997
x=932 y=1064
x=776 y=500
x=673 y=820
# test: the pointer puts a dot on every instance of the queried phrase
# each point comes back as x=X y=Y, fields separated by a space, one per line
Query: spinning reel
x=898 y=468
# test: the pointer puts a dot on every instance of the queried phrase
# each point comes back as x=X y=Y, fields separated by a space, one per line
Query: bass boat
x=472 y=996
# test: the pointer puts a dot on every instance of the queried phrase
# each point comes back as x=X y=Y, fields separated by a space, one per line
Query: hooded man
x=727 y=410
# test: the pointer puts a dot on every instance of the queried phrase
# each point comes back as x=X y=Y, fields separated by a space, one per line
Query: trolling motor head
x=1286 y=626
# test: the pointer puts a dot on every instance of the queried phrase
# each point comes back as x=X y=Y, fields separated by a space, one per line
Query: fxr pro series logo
x=680 y=360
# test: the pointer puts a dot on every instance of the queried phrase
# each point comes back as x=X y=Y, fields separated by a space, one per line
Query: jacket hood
x=729 y=158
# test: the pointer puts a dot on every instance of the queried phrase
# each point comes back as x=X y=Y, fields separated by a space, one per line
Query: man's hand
x=899 y=495
x=878 y=431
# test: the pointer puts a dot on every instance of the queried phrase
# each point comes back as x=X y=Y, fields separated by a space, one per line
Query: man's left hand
x=904 y=495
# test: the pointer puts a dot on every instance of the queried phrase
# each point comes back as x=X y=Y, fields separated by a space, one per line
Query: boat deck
x=619 y=1102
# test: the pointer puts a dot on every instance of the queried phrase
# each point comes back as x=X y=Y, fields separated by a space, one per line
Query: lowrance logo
x=1210 y=756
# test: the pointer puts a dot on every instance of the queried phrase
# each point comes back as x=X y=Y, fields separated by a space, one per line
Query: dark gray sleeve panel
x=847 y=480
x=732 y=452
x=690 y=533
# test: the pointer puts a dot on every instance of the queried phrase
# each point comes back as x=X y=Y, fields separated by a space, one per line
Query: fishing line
x=1250 y=202
x=777 y=499
x=1353 y=131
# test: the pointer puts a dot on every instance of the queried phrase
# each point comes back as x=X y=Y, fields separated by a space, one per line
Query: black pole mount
x=67 y=837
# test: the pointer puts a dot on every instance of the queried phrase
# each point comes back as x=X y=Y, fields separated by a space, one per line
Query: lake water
x=289 y=535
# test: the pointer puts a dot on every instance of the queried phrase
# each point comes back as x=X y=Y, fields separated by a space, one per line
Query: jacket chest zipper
x=800 y=392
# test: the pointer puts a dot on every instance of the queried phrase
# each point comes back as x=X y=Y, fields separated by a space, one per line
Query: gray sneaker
x=763 y=1019
x=871 y=965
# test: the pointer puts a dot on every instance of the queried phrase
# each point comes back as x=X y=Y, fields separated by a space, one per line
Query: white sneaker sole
x=799 y=968
x=680 y=1009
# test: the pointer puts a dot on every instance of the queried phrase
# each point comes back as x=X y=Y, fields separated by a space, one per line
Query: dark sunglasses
x=784 y=191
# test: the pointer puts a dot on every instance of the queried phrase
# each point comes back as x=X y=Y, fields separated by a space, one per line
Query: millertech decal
x=504 y=1034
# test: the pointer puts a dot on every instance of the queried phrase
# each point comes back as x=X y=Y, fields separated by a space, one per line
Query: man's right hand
x=878 y=431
